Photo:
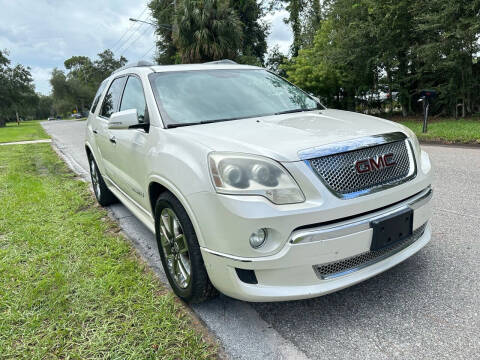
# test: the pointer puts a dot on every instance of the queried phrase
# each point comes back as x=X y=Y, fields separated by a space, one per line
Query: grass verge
x=71 y=287
x=28 y=130
x=447 y=131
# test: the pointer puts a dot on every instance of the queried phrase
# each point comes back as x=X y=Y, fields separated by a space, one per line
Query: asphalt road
x=427 y=307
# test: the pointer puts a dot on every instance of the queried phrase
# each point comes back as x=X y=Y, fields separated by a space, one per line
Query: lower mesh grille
x=346 y=266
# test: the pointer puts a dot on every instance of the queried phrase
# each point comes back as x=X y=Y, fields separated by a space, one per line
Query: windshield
x=199 y=96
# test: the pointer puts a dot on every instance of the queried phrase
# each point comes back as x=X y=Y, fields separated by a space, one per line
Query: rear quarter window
x=96 y=99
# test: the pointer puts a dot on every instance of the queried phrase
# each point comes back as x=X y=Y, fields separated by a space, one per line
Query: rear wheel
x=104 y=196
x=180 y=252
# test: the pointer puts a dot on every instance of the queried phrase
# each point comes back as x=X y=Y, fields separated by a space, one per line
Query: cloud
x=42 y=79
x=42 y=34
x=280 y=33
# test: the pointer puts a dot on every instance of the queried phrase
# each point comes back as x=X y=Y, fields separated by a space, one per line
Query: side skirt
x=140 y=213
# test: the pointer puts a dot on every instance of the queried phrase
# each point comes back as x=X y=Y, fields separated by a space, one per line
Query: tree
x=75 y=88
x=294 y=8
x=304 y=17
x=5 y=99
x=207 y=30
x=44 y=107
x=447 y=60
x=391 y=46
x=106 y=64
x=274 y=61
x=210 y=29
x=313 y=71
x=17 y=92
x=254 y=29
x=164 y=12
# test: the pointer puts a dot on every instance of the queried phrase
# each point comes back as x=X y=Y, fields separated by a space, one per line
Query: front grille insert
x=339 y=173
x=357 y=262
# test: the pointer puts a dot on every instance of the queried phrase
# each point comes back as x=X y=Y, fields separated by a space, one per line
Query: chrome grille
x=338 y=171
x=349 y=265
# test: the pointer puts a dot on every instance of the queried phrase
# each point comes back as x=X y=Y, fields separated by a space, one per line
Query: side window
x=112 y=98
x=134 y=98
x=97 y=96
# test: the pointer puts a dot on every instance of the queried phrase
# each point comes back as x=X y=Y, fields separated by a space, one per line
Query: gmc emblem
x=373 y=164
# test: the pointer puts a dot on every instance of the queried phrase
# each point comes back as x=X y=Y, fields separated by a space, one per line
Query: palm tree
x=207 y=30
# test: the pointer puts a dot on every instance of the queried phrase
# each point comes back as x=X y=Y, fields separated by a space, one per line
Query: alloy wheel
x=95 y=178
x=175 y=249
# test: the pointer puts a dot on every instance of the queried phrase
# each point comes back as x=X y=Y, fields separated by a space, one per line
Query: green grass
x=71 y=287
x=447 y=131
x=28 y=130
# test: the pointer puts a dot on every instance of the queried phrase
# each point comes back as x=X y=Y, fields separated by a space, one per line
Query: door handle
x=113 y=139
x=95 y=131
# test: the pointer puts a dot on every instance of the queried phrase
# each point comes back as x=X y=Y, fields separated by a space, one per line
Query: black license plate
x=391 y=229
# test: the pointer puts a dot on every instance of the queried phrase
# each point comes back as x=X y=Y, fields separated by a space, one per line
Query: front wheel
x=180 y=252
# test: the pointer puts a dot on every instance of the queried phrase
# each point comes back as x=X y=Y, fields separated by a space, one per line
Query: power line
x=128 y=45
x=148 y=52
x=126 y=31
x=134 y=31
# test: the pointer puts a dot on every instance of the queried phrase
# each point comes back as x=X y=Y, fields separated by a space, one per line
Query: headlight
x=413 y=140
x=239 y=174
x=415 y=143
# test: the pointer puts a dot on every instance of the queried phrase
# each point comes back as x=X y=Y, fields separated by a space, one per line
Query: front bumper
x=292 y=273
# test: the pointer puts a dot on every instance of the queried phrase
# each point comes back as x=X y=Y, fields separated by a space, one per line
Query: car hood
x=281 y=137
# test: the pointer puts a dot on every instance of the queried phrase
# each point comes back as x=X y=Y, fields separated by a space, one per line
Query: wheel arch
x=89 y=151
x=156 y=186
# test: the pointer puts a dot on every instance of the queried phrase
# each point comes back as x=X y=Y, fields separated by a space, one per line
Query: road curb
x=43 y=141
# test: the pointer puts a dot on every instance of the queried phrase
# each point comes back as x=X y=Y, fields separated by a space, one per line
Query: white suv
x=251 y=186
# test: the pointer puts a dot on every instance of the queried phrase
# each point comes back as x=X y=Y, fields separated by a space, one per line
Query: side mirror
x=123 y=119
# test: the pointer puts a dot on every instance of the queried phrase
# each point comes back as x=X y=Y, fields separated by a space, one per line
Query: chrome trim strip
x=350 y=145
x=412 y=174
x=226 y=256
x=128 y=197
x=371 y=262
x=323 y=233
x=422 y=201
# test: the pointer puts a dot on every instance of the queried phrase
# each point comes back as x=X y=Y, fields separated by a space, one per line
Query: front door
x=129 y=169
x=106 y=143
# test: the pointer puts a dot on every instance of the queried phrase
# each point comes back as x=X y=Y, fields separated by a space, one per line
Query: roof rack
x=141 y=63
x=223 y=61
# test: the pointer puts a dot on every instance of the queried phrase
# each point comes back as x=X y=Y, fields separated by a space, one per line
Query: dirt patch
x=474 y=145
x=3 y=241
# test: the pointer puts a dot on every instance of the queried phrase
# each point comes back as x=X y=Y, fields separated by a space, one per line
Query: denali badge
x=372 y=164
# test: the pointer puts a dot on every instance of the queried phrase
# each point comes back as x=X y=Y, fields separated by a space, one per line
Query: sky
x=42 y=34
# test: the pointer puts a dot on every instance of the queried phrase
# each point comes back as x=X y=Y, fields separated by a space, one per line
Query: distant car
x=77 y=116
x=51 y=118
x=59 y=118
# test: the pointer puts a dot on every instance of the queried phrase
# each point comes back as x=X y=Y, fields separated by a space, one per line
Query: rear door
x=93 y=121
x=106 y=143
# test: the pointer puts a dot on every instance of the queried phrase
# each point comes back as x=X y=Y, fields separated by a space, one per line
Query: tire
x=104 y=196
x=182 y=254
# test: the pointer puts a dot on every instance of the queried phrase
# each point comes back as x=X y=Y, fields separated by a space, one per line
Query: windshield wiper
x=292 y=111
x=169 y=126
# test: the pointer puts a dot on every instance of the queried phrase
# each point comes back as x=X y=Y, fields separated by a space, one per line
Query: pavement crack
x=458 y=213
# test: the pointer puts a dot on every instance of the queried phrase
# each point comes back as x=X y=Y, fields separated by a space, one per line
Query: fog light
x=258 y=238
